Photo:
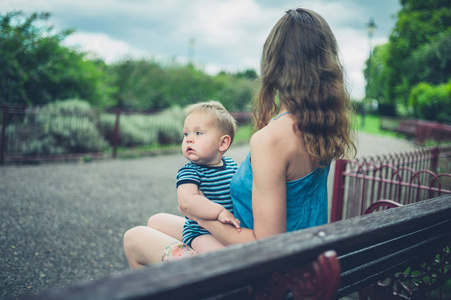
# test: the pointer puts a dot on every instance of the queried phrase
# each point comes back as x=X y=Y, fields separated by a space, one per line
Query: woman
x=282 y=184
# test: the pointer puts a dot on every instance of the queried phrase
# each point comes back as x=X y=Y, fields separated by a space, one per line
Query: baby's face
x=202 y=139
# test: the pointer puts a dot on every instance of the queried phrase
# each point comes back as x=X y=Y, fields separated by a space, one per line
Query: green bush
x=385 y=109
x=72 y=126
x=431 y=102
x=58 y=128
x=69 y=106
x=357 y=106
x=135 y=131
x=169 y=126
x=163 y=128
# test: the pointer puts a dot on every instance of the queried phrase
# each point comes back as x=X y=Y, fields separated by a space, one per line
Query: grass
x=243 y=134
x=372 y=126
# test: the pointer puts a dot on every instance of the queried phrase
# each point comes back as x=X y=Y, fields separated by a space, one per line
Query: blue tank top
x=306 y=198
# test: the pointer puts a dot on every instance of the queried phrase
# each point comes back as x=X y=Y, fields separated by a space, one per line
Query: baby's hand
x=227 y=217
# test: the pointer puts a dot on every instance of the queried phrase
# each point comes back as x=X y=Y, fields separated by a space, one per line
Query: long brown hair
x=300 y=65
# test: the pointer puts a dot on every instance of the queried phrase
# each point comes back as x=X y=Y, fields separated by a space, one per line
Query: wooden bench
x=325 y=262
x=407 y=127
x=421 y=130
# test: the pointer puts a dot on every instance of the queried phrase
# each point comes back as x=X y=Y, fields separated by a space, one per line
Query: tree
x=249 y=74
x=419 y=23
x=431 y=102
x=376 y=74
x=146 y=84
x=432 y=62
x=142 y=84
x=35 y=68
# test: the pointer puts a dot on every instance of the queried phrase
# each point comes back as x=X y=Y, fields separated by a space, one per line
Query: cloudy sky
x=216 y=34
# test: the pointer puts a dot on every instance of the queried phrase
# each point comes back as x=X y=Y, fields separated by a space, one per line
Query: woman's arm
x=269 y=165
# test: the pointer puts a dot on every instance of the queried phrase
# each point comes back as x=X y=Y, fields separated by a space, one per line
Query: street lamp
x=370 y=28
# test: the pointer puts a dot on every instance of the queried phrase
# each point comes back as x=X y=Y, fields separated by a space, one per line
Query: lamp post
x=370 y=28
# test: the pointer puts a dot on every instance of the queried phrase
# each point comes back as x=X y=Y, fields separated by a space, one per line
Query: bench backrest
x=369 y=248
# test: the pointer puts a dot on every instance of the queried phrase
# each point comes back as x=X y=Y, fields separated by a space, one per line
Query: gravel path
x=62 y=223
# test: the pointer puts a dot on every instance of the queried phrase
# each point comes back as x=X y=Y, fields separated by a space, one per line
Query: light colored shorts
x=177 y=251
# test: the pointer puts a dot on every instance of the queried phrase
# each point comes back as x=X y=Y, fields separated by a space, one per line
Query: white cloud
x=229 y=34
x=334 y=12
x=105 y=47
x=355 y=50
x=222 y=22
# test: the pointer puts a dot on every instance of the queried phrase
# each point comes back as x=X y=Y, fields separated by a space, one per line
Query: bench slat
x=356 y=241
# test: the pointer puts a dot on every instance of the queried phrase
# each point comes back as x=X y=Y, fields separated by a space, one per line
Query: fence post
x=338 y=190
x=435 y=153
x=116 y=133
x=2 y=138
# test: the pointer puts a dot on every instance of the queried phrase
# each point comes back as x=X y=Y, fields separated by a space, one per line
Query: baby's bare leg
x=169 y=224
x=146 y=245
x=206 y=243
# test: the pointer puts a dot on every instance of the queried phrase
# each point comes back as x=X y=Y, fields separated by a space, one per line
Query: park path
x=62 y=223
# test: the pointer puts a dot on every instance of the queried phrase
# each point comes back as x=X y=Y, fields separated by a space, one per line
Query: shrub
x=145 y=129
x=58 y=128
x=388 y=110
x=357 y=106
x=135 y=131
x=169 y=125
x=431 y=102
x=73 y=127
x=70 y=106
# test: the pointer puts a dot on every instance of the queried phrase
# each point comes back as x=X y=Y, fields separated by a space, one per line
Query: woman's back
x=286 y=180
x=289 y=146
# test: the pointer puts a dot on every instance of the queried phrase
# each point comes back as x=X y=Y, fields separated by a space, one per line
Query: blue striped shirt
x=214 y=183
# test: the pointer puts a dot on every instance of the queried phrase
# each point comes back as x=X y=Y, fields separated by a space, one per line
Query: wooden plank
x=240 y=266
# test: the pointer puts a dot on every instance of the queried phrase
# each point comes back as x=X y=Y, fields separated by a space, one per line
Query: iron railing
x=390 y=180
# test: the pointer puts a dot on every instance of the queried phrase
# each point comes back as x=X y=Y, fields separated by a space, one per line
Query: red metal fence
x=419 y=130
x=390 y=180
x=35 y=134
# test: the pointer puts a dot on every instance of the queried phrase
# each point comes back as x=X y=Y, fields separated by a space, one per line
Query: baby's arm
x=227 y=217
x=193 y=204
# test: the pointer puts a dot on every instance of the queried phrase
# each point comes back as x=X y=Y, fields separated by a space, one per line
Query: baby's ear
x=225 y=143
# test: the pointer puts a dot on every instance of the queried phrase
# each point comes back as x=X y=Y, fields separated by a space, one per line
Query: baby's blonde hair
x=224 y=120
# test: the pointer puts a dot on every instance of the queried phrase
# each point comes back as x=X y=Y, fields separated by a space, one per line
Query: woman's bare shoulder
x=260 y=137
x=285 y=146
x=276 y=139
x=279 y=132
x=265 y=137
